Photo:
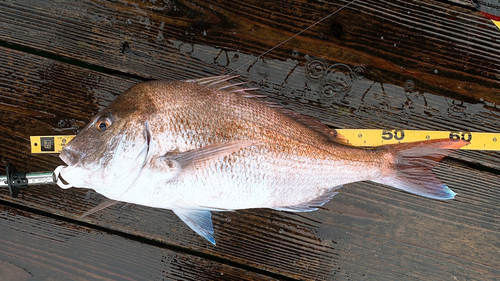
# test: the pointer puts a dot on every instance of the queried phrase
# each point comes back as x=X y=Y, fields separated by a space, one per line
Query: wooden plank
x=52 y=249
x=423 y=65
x=320 y=245
x=435 y=241
x=413 y=38
x=385 y=234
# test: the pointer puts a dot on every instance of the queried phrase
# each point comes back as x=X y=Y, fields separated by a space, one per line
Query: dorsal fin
x=221 y=83
x=212 y=80
x=312 y=123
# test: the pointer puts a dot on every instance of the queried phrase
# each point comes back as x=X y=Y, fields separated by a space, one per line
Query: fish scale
x=201 y=145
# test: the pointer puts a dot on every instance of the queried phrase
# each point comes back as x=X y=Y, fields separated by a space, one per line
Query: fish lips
x=61 y=182
x=69 y=156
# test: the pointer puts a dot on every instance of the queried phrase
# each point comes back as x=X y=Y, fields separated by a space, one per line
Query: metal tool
x=16 y=180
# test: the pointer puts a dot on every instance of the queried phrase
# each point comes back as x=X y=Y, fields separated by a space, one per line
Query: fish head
x=109 y=153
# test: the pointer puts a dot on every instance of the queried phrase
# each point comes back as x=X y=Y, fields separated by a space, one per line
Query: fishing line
x=283 y=42
x=291 y=37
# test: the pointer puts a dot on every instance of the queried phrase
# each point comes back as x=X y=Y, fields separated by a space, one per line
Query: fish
x=203 y=145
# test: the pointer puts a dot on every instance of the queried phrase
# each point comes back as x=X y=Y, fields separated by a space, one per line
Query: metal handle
x=16 y=180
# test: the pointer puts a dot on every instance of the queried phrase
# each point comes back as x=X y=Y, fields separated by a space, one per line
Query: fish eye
x=103 y=123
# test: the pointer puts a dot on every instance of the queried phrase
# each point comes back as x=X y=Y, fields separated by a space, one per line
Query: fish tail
x=412 y=165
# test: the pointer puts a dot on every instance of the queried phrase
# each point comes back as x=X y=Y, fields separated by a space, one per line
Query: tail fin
x=413 y=164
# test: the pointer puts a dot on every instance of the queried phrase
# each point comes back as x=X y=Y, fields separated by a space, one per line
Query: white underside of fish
x=258 y=180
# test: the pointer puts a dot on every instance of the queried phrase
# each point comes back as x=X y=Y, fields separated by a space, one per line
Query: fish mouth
x=60 y=181
x=70 y=156
x=60 y=178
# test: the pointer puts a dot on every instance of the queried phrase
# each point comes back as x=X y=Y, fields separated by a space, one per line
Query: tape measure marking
x=377 y=137
x=355 y=137
x=49 y=144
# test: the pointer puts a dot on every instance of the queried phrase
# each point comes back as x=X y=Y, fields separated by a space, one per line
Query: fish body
x=201 y=145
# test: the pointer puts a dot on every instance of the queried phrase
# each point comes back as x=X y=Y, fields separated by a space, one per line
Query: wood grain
x=385 y=86
x=320 y=245
x=392 y=64
x=52 y=249
x=413 y=38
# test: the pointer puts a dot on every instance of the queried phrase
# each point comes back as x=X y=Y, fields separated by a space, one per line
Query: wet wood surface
x=391 y=64
x=51 y=249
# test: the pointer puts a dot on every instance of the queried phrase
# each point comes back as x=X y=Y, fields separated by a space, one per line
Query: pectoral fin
x=199 y=221
x=202 y=157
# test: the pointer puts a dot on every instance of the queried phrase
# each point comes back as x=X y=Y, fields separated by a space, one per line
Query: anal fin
x=311 y=205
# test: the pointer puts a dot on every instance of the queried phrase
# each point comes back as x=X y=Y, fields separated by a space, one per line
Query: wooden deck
x=376 y=64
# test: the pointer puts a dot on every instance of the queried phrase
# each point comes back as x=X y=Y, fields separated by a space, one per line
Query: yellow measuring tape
x=377 y=137
x=355 y=137
x=49 y=144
